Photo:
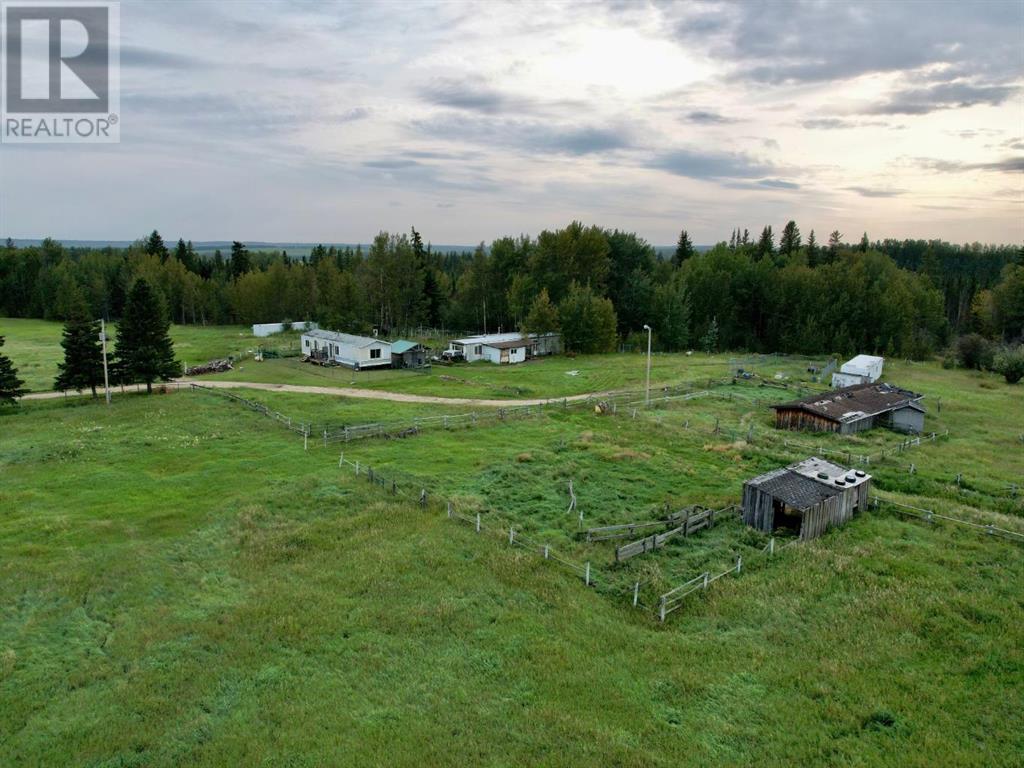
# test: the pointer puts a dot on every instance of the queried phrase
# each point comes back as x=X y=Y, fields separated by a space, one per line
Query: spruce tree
x=82 y=367
x=144 y=350
x=11 y=387
x=543 y=316
x=790 y=242
x=155 y=246
x=835 y=240
x=864 y=243
x=766 y=245
x=684 y=249
x=240 y=262
x=812 y=250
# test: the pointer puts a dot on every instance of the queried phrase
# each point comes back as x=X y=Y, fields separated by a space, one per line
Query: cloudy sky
x=318 y=121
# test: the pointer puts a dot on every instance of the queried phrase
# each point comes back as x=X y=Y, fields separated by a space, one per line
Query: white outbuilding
x=862 y=369
x=263 y=330
x=356 y=352
x=505 y=348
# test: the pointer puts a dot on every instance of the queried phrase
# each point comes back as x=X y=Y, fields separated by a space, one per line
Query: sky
x=322 y=121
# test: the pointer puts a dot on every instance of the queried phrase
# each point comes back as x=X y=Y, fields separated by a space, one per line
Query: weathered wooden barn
x=854 y=409
x=810 y=496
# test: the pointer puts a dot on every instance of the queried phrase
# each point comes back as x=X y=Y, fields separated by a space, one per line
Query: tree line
x=598 y=286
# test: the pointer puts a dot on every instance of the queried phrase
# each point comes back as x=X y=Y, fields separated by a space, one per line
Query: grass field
x=182 y=584
x=34 y=346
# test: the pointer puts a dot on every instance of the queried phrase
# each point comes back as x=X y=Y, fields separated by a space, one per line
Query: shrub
x=974 y=351
x=1009 y=361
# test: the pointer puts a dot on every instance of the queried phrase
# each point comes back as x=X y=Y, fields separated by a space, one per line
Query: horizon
x=301 y=123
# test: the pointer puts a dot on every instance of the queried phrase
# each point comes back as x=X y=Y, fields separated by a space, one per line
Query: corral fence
x=930 y=516
x=675 y=598
x=286 y=421
x=688 y=522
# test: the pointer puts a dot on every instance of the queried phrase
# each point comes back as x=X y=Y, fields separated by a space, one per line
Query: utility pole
x=647 y=399
x=106 y=376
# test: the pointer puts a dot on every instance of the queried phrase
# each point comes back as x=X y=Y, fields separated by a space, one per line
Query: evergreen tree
x=155 y=246
x=864 y=243
x=790 y=242
x=812 y=250
x=746 y=236
x=82 y=367
x=181 y=250
x=144 y=351
x=543 y=316
x=11 y=387
x=835 y=241
x=684 y=249
x=766 y=245
x=240 y=262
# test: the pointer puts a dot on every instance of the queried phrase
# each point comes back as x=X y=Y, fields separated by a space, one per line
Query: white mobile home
x=862 y=369
x=505 y=348
x=356 y=352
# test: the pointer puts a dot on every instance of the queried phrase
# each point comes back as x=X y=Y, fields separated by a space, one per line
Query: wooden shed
x=810 y=496
x=854 y=409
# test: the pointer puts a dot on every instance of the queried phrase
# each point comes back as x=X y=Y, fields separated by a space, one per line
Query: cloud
x=709 y=165
x=705 y=117
x=921 y=101
x=875 y=192
x=533 y=136
x=152 y=58
x=471 y=94
x=778 y=184
x=838 y=123
x=1006 y=165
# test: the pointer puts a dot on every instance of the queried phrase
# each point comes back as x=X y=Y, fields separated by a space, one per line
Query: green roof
x=401 y=346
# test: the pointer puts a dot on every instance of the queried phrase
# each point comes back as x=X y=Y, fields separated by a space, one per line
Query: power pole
x=106 y=376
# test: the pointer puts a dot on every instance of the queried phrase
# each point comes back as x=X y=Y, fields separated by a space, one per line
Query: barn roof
x=858 y=401
x=343 y=338
x=808 y=482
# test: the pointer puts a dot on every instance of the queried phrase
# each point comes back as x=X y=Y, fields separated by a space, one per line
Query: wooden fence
x=693 y=519
x=930 y=516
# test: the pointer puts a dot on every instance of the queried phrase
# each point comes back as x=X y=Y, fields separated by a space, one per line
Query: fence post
x=394 y=488
x=586 y=576
x=771 y=546
x=325 y=437
x=478 y=522
x=636 y=593
x=705 y=579
x=662 y=610
x=739 y=563
x=357 y=467
x=511 y=535
x=449 y=509
x=546 y=551
x=341 y=459
x=423 y=497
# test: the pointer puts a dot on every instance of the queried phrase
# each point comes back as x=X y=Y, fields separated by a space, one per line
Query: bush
x=974 y=351
x=1009 y=361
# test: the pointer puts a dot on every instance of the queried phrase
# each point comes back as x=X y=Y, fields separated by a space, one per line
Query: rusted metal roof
x=856 y=402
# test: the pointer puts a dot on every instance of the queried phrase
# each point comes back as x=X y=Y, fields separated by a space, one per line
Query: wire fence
x=930 y=516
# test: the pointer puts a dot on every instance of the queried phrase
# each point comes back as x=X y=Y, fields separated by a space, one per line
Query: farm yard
x=190 y=566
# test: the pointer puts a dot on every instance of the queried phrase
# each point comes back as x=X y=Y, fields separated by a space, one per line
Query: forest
x=600 y=287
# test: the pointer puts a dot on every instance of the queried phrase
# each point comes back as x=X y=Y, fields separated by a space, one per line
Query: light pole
x=106 y=377
x=647 y=399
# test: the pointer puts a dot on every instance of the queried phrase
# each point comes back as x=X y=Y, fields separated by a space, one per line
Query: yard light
x=647 y=398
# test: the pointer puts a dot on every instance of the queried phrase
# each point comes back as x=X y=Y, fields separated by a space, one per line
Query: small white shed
x=862 y=369
x=506 y=348
x=356 y=352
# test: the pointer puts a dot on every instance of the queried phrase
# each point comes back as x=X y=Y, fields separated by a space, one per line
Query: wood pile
x=214 y=366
